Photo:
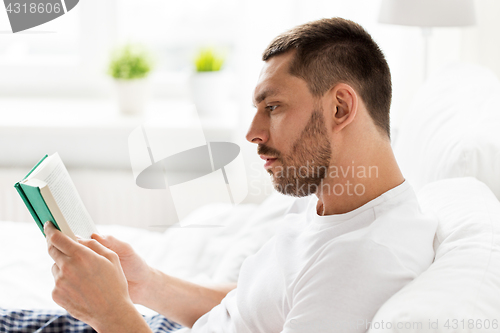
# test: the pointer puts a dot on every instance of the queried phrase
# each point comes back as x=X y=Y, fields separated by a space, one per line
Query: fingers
x=55 y=270
x=61 y=246
x=59 y=241
x=99 y=248
x=115 y=245
x=104 y=240
x=56 y=254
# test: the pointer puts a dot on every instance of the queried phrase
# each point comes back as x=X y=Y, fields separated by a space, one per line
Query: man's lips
x=269 y=160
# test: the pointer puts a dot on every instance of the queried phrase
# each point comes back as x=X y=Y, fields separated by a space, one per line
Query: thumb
x=99 y=248
x=122 y=248
x=102 y=239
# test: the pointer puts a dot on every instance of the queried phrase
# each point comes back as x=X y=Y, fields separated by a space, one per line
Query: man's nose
x=259 y=130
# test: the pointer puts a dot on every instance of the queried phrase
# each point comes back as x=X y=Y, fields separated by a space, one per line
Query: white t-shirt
x=328 y=273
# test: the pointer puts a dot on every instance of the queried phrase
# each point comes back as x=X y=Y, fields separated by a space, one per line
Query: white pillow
x=215 y=254
x=452 y=128
x=463 y=283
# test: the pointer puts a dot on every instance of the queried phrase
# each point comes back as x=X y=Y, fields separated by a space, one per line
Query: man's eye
x=271 y=107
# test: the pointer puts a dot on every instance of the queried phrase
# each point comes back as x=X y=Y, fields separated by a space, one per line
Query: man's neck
x=356 y=180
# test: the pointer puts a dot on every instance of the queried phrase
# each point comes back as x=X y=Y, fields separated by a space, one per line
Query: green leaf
x=208 y=60
x=130 y=62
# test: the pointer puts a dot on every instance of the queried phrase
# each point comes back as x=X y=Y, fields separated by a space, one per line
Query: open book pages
x=53 y=173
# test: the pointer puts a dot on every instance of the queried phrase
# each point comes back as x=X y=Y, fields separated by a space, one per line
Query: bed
x=448 y=148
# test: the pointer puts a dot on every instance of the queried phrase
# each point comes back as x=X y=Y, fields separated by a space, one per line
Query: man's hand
x=137 y=271
x=90 y=284
x=115 y=275
x=176 y=299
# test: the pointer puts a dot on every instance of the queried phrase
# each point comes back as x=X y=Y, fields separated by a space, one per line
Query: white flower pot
x=210 y=92
x=132 y=95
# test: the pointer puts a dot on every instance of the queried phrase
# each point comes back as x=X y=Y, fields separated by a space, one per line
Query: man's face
x=290 y=130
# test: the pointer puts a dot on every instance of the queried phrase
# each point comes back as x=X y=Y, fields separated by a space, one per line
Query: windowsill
x=22 y=61
x=92 y=133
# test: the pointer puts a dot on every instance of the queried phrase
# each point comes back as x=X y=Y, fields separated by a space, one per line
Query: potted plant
x=130 y=66
x=209 y=83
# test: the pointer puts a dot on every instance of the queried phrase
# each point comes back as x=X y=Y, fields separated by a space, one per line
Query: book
x=50 y=195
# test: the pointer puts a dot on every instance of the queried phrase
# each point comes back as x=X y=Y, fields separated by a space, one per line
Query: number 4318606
x=33 y=8
x=471 y=324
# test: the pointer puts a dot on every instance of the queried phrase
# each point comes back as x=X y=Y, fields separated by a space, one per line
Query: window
x=68 y=56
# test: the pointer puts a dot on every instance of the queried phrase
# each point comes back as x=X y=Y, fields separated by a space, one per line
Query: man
x=322 y=126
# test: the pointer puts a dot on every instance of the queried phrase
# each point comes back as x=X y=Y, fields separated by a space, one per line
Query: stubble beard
x=302 y=172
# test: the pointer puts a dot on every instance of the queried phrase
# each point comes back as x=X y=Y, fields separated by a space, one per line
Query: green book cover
x=34 y=201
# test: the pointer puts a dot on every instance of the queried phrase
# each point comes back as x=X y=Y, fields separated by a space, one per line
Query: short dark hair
x=335 y=50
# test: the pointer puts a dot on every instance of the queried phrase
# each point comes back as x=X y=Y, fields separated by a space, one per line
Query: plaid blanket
x=59 y=321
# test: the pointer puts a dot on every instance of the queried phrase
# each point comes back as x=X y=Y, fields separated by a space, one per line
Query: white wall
x=261 y=20
x=481 y=44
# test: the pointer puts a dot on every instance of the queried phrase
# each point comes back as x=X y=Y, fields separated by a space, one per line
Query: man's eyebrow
x=263 y=95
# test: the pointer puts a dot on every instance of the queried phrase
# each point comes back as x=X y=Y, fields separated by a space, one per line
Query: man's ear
x=345 y=106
